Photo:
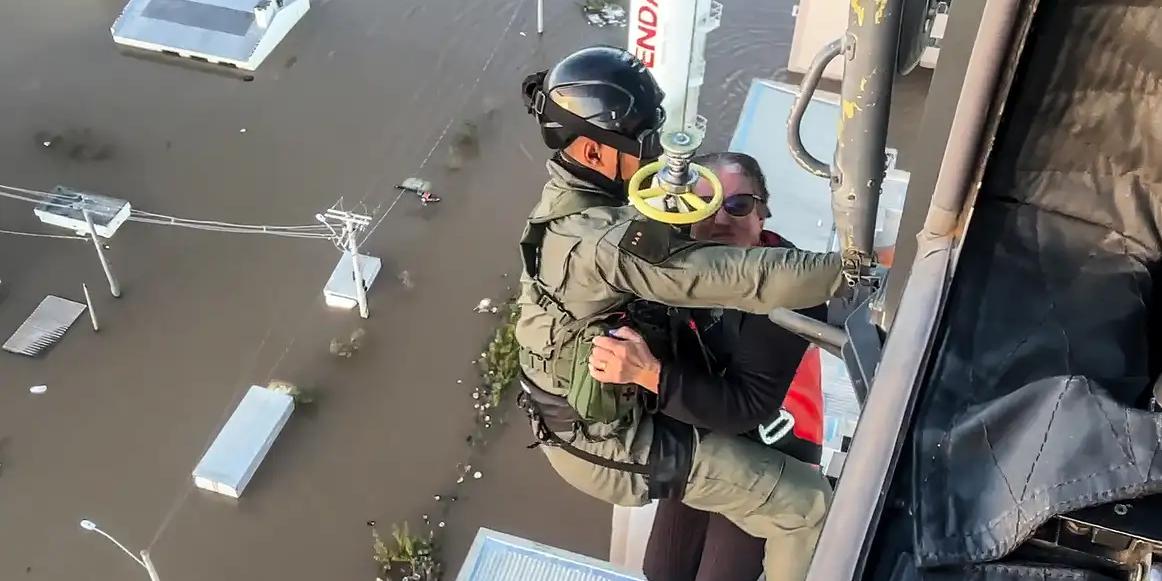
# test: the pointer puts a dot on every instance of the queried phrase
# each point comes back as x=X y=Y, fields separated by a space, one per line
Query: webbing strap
x=645 y=147
x=545 y=435
x=549 y=438
x=530 y=250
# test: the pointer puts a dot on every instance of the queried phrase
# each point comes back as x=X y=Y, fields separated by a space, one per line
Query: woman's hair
x=749 y=167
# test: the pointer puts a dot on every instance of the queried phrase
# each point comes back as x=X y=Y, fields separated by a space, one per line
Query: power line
x=232 y=230
x=265 y=228
x=298 y=231
x=32 y=200
x=39 y=235
x=467 y=98
x=27 y=191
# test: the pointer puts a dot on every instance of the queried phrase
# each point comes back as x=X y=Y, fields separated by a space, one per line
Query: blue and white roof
x=240 y=33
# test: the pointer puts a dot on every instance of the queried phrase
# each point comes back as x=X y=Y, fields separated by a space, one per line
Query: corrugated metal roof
x=47 y=324
x=495 y=556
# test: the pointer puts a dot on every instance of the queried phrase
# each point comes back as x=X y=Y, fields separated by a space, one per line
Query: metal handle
x=828 y=337
x=806 y=91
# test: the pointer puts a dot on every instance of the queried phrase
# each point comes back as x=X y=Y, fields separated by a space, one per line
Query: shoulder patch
x=653 y=242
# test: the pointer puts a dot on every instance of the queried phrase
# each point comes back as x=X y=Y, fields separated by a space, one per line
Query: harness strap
x=550 y=438
x=530 y=250
x=546 y=435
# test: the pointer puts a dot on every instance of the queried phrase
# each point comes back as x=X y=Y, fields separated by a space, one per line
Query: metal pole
x=89 y=303
x=875 y=451
x=869 y=49
x=360 y=291
x=149 y=568
x=114 y=288
x=540 y=16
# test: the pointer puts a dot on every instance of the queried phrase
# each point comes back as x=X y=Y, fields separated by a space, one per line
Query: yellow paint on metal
x=881 y=5
x=857 y=8
x=849 y=109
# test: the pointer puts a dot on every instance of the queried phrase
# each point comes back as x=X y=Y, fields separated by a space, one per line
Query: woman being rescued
x=736 y=374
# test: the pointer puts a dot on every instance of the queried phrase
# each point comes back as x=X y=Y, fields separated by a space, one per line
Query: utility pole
x=353 y=224
x=114 y=288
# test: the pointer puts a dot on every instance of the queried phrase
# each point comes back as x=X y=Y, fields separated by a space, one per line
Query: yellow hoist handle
x=697 y=209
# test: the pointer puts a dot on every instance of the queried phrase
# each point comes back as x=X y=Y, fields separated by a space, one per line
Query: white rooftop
x=240 y=33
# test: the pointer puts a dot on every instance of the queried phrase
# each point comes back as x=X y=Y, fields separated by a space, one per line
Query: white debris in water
x=38 y=389
x=485 y=306
x=477 y=475
x=459 y=381
x=243 y=130
x=602 y=13
x=405 y=278
x=522 y=33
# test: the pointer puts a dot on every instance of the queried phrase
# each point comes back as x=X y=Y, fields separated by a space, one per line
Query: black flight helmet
x=602 y=93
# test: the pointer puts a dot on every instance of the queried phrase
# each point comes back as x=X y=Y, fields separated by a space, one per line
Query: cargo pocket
x=556 y=255
x=593 y=400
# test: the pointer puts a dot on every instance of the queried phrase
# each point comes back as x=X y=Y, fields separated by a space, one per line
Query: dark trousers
x=687 y=544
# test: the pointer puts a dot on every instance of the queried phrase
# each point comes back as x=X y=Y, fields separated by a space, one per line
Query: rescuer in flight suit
x=587 y=257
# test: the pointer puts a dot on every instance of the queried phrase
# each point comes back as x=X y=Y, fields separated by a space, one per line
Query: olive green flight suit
x=594 y=257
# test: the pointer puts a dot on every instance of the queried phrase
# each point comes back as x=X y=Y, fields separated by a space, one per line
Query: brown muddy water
x=349 y=105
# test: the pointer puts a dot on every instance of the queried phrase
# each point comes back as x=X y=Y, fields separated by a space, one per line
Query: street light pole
x=143 y=560
x=149 y=568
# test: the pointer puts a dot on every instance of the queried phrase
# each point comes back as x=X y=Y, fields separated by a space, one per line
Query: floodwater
x=350 y=104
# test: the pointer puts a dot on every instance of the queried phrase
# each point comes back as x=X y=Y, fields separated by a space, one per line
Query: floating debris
x=38 y=389
x=477 y=475
x=301 y=396
x=464 y=145
x=347 y=347
x=243 y=130
x=602 y=13
x=437 y=497
x=405 y=278
x=485 y=306
x=441 y=524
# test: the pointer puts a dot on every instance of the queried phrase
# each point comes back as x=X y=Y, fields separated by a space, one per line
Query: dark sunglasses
x=739 y=205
